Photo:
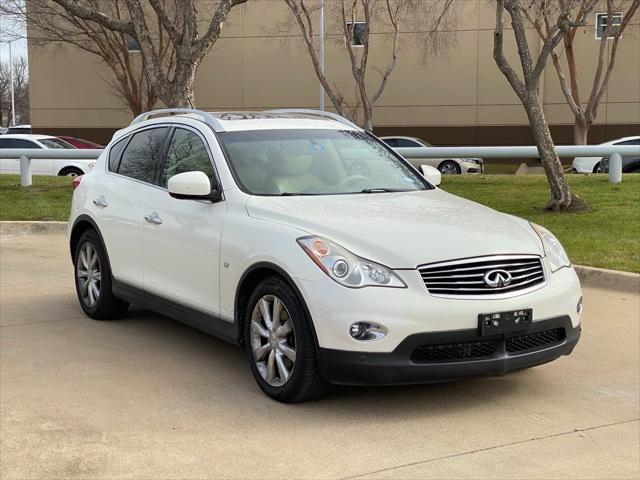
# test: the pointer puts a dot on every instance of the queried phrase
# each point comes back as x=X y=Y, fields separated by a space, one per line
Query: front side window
x=601 y=24
x=315 y=162
x=56 y=143
x=142 y=154
x=186 y=153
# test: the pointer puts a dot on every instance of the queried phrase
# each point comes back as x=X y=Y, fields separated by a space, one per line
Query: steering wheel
x=354 y=178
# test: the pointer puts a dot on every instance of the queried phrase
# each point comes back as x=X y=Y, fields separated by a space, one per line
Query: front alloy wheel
x=88 y=275
x=273 y=340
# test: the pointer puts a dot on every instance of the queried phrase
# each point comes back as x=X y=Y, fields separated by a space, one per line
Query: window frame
x=604 y=15
x=353 y=37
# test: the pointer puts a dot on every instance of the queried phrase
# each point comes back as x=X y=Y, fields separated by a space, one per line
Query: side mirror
x=192 y=186
x=432 y=174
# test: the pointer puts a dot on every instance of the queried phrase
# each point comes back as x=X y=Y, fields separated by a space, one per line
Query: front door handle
x=100 y=202
x=153 y=218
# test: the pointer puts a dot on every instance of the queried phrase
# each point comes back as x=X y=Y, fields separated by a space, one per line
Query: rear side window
x=114 y=154
x=142 y=154
x=406 y=143
x=186 y=153
x=17 y=143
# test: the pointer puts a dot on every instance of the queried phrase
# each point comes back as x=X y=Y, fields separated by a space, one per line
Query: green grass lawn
x=608 y=236
x=49 y=198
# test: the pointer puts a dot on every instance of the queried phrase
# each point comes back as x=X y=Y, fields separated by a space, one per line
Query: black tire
x=449 y=167
x=305 y=382
x=596 y=168
x=70 y=172
x=107 y=306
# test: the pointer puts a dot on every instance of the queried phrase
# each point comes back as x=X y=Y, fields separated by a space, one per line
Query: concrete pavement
x=147 y=397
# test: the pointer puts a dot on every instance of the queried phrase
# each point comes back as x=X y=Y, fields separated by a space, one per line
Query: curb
x=609 y=279
x=32 y=228
x=589 y=276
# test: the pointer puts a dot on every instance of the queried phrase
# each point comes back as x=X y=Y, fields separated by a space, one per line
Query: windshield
x=316 y=162
x=55 y=143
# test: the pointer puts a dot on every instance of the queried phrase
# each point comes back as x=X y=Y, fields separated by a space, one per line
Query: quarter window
x=186 y=153
x=114 y=155
x=142 y=154
x=601 y=24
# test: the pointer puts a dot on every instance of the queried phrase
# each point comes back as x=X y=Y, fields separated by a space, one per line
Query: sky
x=11 y=30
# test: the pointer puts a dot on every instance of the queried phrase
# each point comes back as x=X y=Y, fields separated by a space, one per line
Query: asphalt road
x=147 y=397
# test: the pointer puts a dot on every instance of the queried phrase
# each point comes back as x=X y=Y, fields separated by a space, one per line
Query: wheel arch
x=81 y=225
x=249 y=279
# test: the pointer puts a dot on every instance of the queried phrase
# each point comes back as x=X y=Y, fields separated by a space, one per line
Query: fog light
x=579 y=306
x=367 y=331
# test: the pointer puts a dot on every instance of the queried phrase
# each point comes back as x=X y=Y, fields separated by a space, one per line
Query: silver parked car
x=447 y=166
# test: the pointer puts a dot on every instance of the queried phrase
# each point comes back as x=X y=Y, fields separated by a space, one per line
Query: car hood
x=402 y=230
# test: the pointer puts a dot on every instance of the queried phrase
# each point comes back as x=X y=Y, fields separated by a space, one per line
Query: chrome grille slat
x=466 y=277
x=483 y=267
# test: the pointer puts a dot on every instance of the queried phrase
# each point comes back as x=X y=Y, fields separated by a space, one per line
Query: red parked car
x=81 y=143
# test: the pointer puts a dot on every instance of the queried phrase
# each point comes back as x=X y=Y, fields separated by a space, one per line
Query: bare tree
x=539 y=13
x=178 y=20
x=20 y=91
x=527 y=87
x=48 y=22
x=357 y=44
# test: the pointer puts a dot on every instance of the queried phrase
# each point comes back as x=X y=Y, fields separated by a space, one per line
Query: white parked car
x=262 y=229
x=592 y=164
x=408 y=148
x=11 y=165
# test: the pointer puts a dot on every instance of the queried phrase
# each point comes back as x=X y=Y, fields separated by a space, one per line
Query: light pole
x=13 y=100
x=321 y=52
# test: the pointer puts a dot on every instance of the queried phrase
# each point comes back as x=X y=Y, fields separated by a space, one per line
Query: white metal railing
x=615 y=152
x=27 y=154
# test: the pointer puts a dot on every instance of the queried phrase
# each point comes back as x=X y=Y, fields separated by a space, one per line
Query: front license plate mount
x=505 y=322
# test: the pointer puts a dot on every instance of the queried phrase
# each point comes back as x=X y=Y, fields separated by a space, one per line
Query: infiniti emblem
x=497 y=278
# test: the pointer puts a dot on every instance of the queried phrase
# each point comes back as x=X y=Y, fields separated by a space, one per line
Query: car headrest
x=284 y=164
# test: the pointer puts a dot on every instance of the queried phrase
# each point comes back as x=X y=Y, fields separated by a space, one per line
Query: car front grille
x=487 y=348
x=534 y=340
x=454 y=351
x=467 y=277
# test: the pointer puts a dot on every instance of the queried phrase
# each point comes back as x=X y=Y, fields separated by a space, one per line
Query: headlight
x=91 y=165
x=346 y=268
x=552 y=248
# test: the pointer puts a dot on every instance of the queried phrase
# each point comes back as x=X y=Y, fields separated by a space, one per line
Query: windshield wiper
x=293 y=194
x=384 y=190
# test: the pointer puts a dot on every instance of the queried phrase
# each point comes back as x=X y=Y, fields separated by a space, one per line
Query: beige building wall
x=458 y=98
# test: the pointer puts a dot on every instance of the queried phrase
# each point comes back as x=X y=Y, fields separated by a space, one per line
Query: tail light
x=76 y=182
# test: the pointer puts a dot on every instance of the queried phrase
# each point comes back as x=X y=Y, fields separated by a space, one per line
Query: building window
x=132 y=44
x=601 y=24
x=356 y=29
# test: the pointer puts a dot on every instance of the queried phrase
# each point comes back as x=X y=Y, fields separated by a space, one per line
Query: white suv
x=313 y=245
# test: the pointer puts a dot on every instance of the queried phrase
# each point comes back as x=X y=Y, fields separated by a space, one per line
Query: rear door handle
x=153 y=218
x=100 y=202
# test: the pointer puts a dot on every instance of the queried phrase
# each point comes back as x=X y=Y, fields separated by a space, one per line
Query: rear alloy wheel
x=93 y=279
x=449 y=167
x=280 y=344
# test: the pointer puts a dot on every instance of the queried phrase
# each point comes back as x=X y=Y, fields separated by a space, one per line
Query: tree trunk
x=581 y=131
x=561 y=196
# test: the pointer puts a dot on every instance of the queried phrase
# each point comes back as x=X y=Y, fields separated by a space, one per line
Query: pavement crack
x=494 y=447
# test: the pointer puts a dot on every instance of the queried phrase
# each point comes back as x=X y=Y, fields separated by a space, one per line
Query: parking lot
x=147 y=397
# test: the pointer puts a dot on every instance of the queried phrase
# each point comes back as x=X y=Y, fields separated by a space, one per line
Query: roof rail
x=317 y=113
x=206 y=117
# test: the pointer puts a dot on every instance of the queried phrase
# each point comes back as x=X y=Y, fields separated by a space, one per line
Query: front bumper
x=401 y=367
